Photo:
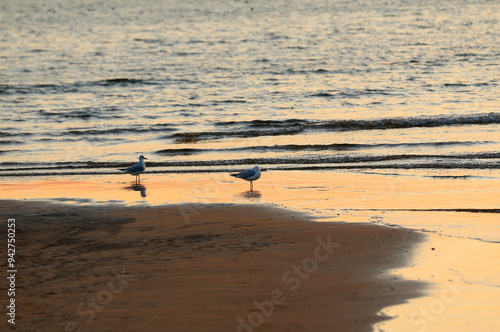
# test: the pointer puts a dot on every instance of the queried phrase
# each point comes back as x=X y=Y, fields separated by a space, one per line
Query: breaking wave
x=256 y=128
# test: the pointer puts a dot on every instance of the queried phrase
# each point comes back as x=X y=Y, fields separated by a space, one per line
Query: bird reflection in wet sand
x=250 y=194
x=134 y=186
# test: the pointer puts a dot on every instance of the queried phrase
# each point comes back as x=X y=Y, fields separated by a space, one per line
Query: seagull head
x=256 y=168
x=142 y=157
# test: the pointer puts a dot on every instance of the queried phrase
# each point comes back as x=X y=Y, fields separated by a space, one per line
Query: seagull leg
x=251 y=185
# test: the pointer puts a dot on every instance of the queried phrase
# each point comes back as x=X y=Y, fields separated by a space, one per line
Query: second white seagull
x=137 y=169
x=251 y=175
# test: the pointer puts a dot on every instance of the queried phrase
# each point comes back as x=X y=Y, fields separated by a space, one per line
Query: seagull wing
x=246 y=174
x=135 y=168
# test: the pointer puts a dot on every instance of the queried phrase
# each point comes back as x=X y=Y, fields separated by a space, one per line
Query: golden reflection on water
x=454 y=206
x=327 y=192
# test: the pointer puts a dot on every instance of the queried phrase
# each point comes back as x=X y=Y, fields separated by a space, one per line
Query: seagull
x=251 y=175
x=137 y=169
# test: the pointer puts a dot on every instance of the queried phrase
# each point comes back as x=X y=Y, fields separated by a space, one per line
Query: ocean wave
x=264 y=123
x=190 y=137
x=118 y=130
x=363 y=161
x=83 y=113
x=24 y=89
x=295 y=126
x=121 y=81
x=229 y=101
x=9 y=142
x=351 y=93
x=410 y=122
x=181 y=152
x=315 y=147
x=222 y=169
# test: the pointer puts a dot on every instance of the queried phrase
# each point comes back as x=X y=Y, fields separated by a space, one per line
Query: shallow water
x=444 y=205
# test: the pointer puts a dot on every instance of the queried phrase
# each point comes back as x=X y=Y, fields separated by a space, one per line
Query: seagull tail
x=235 y=175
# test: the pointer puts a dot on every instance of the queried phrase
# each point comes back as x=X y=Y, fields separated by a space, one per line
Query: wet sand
x=202 y=267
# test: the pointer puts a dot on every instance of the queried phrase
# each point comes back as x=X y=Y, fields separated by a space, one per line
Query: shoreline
x=203 y=267
x=458 y=207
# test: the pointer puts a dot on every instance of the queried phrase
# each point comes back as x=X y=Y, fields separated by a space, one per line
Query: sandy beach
x=202 y=267
x=201 y=253
x=376 y=126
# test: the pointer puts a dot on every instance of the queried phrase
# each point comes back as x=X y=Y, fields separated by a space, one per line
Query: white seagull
x=137 y=169
x=251 y=175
